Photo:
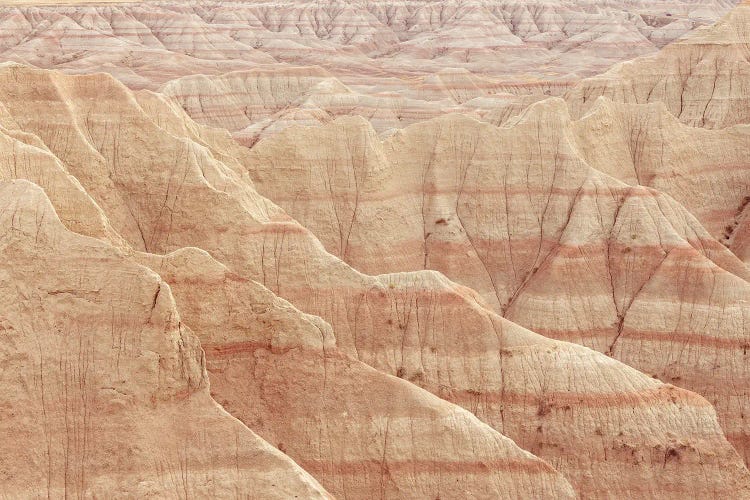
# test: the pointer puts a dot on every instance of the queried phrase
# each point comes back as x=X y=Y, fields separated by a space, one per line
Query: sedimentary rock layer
x=146 y=43
x=707 y=171
x=356 y=429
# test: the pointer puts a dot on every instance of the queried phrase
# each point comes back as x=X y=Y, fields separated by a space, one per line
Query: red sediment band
x=443 y=249
x=373 y=466
x=698 y=339
x=280 y=228
x=429 y=189
x=740 y=344
x=645 y=397
x=738 y=439
x=642 y=398
x=705 y=168
x=568 y=335
x=238 y=349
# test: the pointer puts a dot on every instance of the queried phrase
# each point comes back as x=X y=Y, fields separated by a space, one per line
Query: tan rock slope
x=436 y=447
x=259 y=103
x=707 y=171
x=164 y=183
x=393 y=63
x=702 y=80
x=517 y=213
x=104 y=390
x=686 y=75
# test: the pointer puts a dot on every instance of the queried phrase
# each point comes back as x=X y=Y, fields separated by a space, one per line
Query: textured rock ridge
x=705 y=170
x=430 y=445
x=147 y=43
x=279 y=371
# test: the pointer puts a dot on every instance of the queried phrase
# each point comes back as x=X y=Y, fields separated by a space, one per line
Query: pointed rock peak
x=553 y=110
x=605 y=108
x=330 y=85
x=733 y=28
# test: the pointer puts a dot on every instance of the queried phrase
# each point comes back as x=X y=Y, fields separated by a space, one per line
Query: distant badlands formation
x=336 y=250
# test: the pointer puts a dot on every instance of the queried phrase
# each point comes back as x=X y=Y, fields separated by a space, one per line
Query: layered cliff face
x=395 y=64
x=703 y=81
x=296 y=388
x=517 y=213
x=280 y=372
x=704 y=170
x=156 y=183
x=259 y=103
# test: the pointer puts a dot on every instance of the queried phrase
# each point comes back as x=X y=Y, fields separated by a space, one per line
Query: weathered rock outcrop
x=147 y=43
x=258 y=103
x=316 y=273
x=707 y=171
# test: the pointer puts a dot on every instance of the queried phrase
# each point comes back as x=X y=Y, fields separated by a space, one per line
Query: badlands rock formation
x=516 y=213
x=292 y=369
x=394 y=64
x=707 y=171
x=281 y=373
x=608 y=428
x=703 y=81
x=258 y=103
x=243 y=306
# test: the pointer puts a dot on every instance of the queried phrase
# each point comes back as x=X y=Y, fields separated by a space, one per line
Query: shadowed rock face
x=606 y=427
